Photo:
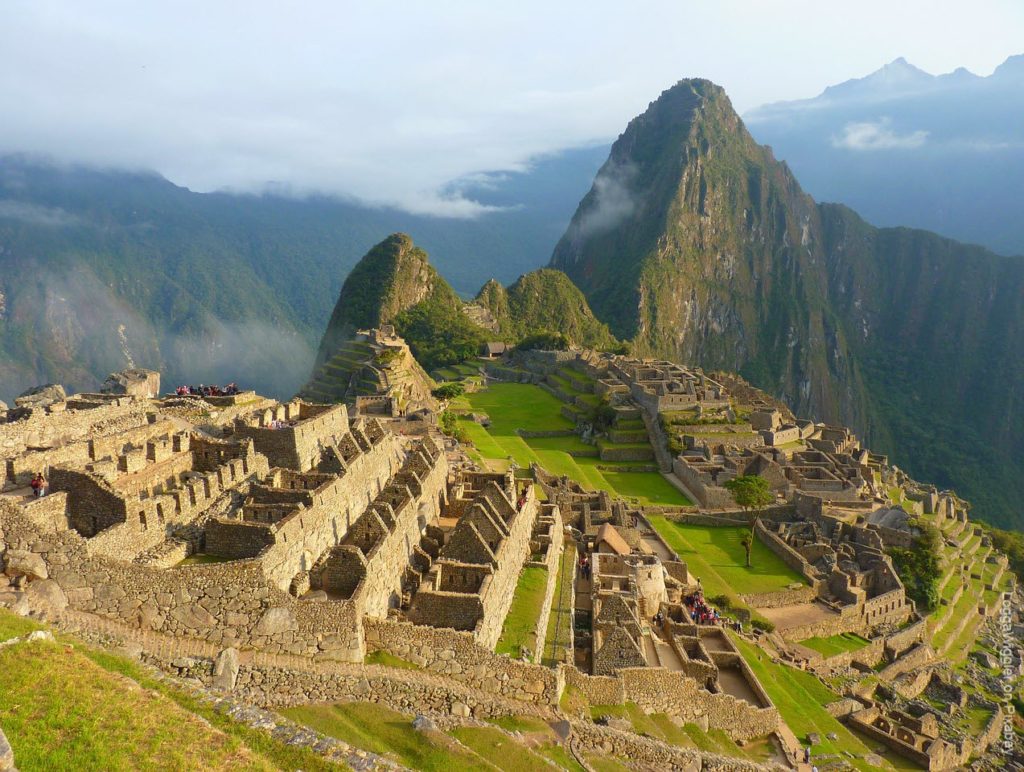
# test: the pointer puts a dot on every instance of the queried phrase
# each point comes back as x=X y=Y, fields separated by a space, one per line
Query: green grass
x=499 y=749
x=13 y=626
x=524 y=612
x=389 y=660
x=835 y=644
x=79 y=708
x=383 y=731
x=513 y=406
x=801 y=699
x=716 y=555
x=201 y=558
x=560 y=621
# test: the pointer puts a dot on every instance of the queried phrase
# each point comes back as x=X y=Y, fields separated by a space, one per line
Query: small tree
x=752 y=493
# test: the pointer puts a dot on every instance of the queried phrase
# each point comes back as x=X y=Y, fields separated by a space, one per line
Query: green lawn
x=716 y=555
x=524 y=612
x=78 y=708
x=835 y=644
x=513 y=406
x=800 y=699
x=499 y=749
x=560 y=622
x=377 y=729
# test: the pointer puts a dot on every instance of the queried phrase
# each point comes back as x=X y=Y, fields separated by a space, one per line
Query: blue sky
x=388 y=101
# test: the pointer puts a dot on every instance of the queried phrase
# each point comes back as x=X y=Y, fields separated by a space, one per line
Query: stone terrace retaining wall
x=649 y=754
x=228 y=604
x=456 y=655
x=657 y=690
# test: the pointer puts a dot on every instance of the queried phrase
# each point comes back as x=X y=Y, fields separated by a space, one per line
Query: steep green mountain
x=698 y=245
x=542 y=300
x=395 y=283
x=99 y=266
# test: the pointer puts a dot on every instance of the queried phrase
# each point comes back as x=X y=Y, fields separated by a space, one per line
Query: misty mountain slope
x=218 y=287
x=904 y=147
x=700 y=246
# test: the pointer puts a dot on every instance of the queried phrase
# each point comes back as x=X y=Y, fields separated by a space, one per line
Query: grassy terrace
x=379 y=730
x=515 y=406
x=801 y=699
x=718 y=558
x=661 y=727
x=79 y=708
x=524 y=612
x=560 y=622
x=835 y=644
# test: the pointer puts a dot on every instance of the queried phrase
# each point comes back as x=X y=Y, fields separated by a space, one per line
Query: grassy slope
x=513 y=406
x=66 y=706
x=524 y=612
x=801 y=699
x=835 y=644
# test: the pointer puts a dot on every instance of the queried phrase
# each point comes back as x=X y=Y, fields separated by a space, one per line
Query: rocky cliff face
x=700 y=246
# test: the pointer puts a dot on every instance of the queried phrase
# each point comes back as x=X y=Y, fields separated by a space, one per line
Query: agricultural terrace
x=801 y=699
x=716 y=555
x=514 y=407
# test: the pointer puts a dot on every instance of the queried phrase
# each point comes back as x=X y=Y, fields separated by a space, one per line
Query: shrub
x=918 y=566
x=449 y=423
x=762 y=624
x=544 y=341
x=449 y=390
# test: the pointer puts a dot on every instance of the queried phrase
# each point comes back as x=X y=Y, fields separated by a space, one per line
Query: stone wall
x=229 y=604
x=552 y=560
x=657 y=690
x=457 y=655
x=299 y=446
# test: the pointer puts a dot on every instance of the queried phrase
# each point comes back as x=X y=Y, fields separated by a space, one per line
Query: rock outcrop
x=41 y=396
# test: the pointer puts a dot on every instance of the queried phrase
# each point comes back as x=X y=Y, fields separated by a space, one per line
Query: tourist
x=39 y=485
x=35 y=484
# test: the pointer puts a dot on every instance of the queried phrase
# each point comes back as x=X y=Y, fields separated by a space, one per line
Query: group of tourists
x=207 y=391
x=585 y=566
x=39 y=485
x=700 y=612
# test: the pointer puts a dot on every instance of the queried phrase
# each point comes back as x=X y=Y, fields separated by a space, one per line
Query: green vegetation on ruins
x=514 y=407
x=918 y=566
x=835 y=644
x=523 y=614
x=717 y=556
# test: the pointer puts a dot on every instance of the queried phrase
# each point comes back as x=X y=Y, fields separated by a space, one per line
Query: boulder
x=424 y=724
x=460 y=709
x=47 y=595
x=225 y=669
x=41 y=396
x=6 y=754
x=24 y=563
x=134 y=382
x=3 y=406
x=275 y=621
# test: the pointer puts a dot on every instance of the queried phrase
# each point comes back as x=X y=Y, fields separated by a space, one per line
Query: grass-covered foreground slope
x=66 y=706
x=512 y=407
x=697 y=244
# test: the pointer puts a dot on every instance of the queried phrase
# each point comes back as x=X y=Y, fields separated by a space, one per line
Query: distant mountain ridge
x=699 y=246
x=904 y=147
x=99 y=267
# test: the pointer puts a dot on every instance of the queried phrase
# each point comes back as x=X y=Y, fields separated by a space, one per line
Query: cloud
x=877 y=135
x=613 y=200
x=389 y=102
x=36 y=215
